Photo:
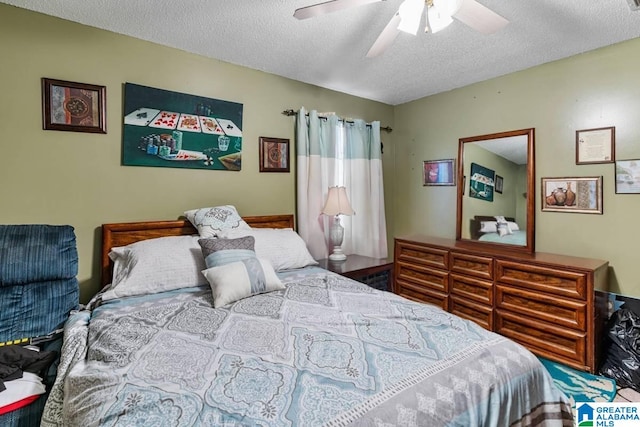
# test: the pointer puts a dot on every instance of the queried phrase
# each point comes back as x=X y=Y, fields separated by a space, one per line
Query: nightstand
x=375 y=272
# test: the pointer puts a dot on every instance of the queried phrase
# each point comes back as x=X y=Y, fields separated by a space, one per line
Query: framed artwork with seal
x=595 y=145
x=75 y=107
x=274 y=154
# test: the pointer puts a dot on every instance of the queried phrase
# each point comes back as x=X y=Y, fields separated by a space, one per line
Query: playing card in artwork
x=229 y=128
x=165 y=120
x=189 y=123
x=210 y=125
x=141 y=116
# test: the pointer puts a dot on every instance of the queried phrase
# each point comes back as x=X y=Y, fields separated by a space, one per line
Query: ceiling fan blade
x=329 y=7
x=479 y=17
x=386 y=37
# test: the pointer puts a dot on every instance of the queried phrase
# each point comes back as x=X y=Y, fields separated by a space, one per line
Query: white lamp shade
x=337 y=202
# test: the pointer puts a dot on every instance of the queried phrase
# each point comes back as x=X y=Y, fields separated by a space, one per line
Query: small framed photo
x=628 y=176
x=439 y=172
x=274 y=154
x=572 y=194
x=499 y=184
x=75 y=107
x=595 y=145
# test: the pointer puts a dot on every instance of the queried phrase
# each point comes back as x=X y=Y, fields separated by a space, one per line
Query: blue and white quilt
x=326 y=351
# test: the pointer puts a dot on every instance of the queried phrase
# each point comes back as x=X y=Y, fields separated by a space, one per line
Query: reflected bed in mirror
x=503 y=215
x=487 y=229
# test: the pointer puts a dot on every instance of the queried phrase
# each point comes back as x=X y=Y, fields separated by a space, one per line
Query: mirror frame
x=530 y=203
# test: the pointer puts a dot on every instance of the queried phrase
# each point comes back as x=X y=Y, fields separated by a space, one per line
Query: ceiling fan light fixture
x=438 y=18
x=410 y=12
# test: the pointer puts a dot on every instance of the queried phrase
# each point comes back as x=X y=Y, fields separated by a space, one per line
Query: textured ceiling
x=329 y=51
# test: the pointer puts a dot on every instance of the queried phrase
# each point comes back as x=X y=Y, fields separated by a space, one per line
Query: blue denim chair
x=38 y=289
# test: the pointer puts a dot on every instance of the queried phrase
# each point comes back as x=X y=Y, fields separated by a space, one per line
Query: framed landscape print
x=628 y=176
x=177 y=130
x=74 y=107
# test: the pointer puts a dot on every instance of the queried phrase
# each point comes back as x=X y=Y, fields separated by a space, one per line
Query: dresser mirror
x=496 y=176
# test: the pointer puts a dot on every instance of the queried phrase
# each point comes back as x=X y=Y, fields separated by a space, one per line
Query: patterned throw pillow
x=219 y=252
x=502 y=226
x=241 y=279
x=209 y=221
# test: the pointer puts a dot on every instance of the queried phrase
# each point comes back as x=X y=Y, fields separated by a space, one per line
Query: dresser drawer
x=421 y=294
x=479 y=313
x=421 y=255
x=472 y=288
x=472 y=265
x=543 y=279
x=423 y=276
x=553 y=309
x=554 y=342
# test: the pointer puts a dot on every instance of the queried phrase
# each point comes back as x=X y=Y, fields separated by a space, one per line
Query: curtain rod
x=291 y=112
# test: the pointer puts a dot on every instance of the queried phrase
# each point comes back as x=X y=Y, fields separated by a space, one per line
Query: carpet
x=580 y=386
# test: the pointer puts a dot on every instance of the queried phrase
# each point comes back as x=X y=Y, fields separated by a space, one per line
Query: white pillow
x=503 y=229
x=241 y=279
x=488 y=227
x=492 y=226
x=209 y=221
x=156 y=265
x=283 y=247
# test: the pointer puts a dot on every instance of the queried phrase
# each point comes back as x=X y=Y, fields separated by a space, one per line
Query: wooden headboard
x=475 y=225
x=125 y=233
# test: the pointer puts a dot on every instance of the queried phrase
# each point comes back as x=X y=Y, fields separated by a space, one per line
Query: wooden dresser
x=555 y=305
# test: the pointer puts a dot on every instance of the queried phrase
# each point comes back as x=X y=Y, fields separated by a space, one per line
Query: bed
x=324 y=350
x=481 y=229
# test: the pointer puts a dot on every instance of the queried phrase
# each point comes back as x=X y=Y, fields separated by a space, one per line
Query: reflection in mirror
x=496 y=193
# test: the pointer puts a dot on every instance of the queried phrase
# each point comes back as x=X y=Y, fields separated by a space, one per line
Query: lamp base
x=336 y=234
x=337 y=255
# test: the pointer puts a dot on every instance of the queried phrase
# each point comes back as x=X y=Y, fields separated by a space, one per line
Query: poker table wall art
x=177 y=130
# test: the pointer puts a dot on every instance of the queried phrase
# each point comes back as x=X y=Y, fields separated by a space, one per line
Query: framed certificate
x=595 y=146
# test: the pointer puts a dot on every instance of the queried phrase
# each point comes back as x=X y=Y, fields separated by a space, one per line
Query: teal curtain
x=334 y=152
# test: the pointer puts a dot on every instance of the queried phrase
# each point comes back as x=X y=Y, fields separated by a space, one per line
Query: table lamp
x=337 y=204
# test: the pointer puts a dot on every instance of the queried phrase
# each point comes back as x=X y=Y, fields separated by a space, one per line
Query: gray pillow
x=219 y=252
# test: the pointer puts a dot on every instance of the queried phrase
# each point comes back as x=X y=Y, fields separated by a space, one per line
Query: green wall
x=591 y=90
x=76 y=178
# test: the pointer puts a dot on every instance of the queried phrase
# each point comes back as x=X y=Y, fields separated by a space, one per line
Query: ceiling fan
x=439 y=14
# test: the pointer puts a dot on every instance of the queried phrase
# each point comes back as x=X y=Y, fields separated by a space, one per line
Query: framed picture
x=499 y=184
x=274 y=154
x=75 y=107
x=578 y=195
x=628 y=176
x=481 y=183
x=163 y=128
x=439 y=172
x=595 y=145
